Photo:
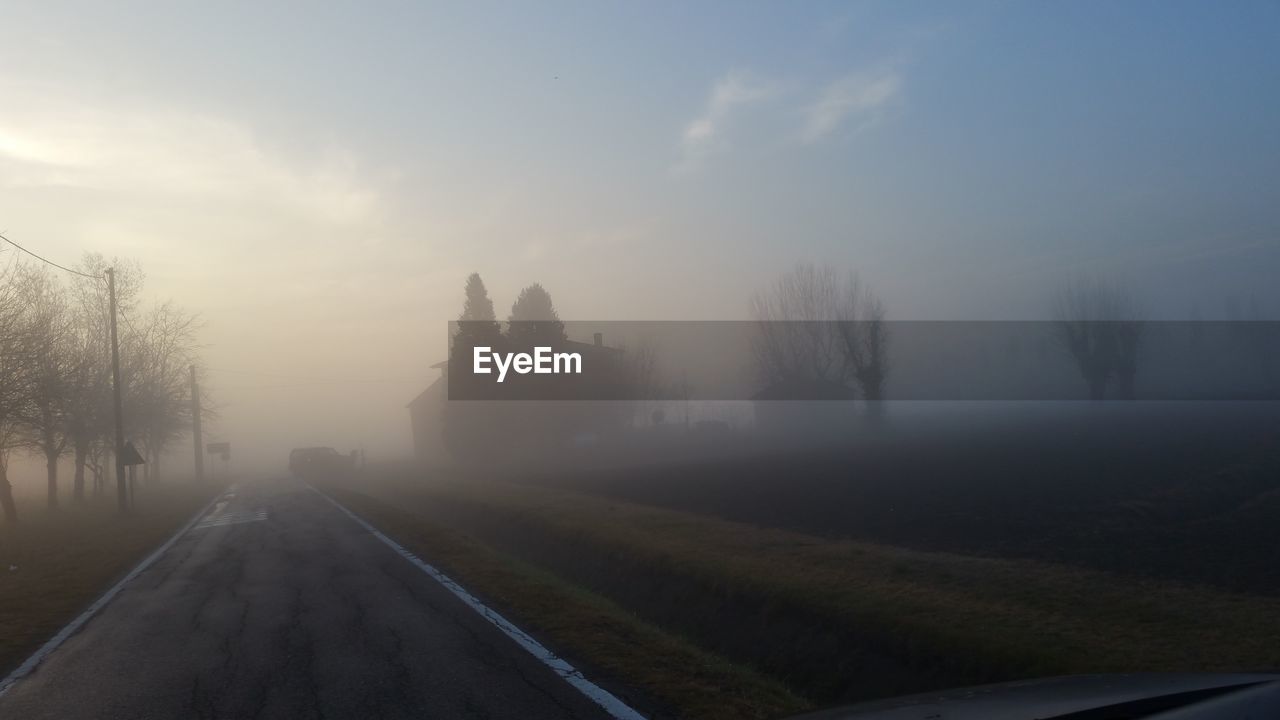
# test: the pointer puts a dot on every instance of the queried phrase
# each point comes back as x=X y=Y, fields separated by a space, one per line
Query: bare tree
x=6 y=488
x=159 y=349
x=641 y=371
x=50 y=359
x=811 y=326
x=796 y=337
x=91 y=423
x=55 y=371
x=865 y=338
x=13 y=376
x=89 y=420
x=1097 y=323
x=639 y=378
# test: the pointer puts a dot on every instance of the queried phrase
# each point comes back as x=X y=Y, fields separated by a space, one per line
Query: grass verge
x=53 y=564
x=672 y=671
x=824 y=616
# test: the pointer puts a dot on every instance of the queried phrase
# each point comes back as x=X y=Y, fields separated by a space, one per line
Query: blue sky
x=294 y=169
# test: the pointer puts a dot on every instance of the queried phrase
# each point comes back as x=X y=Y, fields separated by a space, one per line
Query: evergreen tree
x=469 y=428
x=477 y=324
x=533 y=319
x=478 y=306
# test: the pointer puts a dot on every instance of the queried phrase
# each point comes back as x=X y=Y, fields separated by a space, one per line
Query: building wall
x=426 y=420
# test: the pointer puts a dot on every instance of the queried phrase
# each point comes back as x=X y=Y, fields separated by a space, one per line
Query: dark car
x=1120 y=696
x=318 y=462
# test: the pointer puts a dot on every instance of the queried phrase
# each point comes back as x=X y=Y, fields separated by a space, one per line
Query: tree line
x=529 y=422
x=533 y=319
x=818 y=327
x=55 y=372
x=823 y=333
x=532 y=322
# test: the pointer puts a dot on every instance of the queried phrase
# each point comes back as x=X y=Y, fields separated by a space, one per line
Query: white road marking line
x=215 y=519
x=605 y=699
x=74 y=626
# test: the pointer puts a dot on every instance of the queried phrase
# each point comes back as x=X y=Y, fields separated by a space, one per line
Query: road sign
x=131 y=456
x=219 y=447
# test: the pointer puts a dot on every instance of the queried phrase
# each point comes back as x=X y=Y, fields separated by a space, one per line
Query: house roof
x=591 y=347
x=431 y=389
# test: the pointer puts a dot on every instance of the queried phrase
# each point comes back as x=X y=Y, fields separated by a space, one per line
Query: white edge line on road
x=74 y=626
x=605 y=699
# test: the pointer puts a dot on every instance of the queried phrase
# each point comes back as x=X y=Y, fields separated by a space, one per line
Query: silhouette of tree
x=797 y=338
x=865 y=338
x=1097 y=323
x=477 y=308
x=90 y=420
x=469 y=428
x=533 y=320
x=156 y=355
x=55 y=368
x=477 y=324
x=14 y=375
x=813 y=328
x=51 y=359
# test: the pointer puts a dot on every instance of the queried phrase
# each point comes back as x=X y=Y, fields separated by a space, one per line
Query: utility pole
x=195 y=425
x=121 y=489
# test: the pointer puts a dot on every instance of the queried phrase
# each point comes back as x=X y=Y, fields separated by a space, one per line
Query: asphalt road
x=278 y=605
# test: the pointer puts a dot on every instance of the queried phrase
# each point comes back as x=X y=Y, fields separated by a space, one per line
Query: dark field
x=928 y=550
x=1188 y=492
x=831 y=621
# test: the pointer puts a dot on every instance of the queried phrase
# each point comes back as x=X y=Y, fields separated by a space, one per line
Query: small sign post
x=220 y=448
x=131 y=459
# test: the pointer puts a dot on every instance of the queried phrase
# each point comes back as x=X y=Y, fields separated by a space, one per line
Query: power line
x=315 y=384
x=50 y=262
x=311 y=379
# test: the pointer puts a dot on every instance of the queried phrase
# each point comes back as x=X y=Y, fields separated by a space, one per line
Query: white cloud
x=704 y=135
x=159 y=152
x=858 y=98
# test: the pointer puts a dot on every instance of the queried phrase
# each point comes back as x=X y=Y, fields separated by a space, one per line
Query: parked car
x=318 y=461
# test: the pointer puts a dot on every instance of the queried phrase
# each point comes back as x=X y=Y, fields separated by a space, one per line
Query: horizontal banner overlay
x=868 y=361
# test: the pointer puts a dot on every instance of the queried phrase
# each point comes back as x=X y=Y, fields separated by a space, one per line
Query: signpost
x=220 y=448
x=131 y=458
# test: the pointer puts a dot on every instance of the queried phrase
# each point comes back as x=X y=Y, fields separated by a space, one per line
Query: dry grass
x=954 y=617
x=53 y=564
x=587 y=627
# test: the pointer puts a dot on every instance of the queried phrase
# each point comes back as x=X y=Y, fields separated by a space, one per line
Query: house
x=426 y=416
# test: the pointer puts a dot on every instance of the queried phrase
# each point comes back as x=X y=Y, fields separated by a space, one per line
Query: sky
x=317 y=179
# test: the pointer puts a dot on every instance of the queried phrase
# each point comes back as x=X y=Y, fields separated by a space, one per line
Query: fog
x=321 y=211
x=637 y=360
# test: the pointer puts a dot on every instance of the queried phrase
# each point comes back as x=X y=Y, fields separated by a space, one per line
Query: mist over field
x=323 y=234
x=913 y=328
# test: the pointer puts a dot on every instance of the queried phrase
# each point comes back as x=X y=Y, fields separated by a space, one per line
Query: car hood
x=1140 y=694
